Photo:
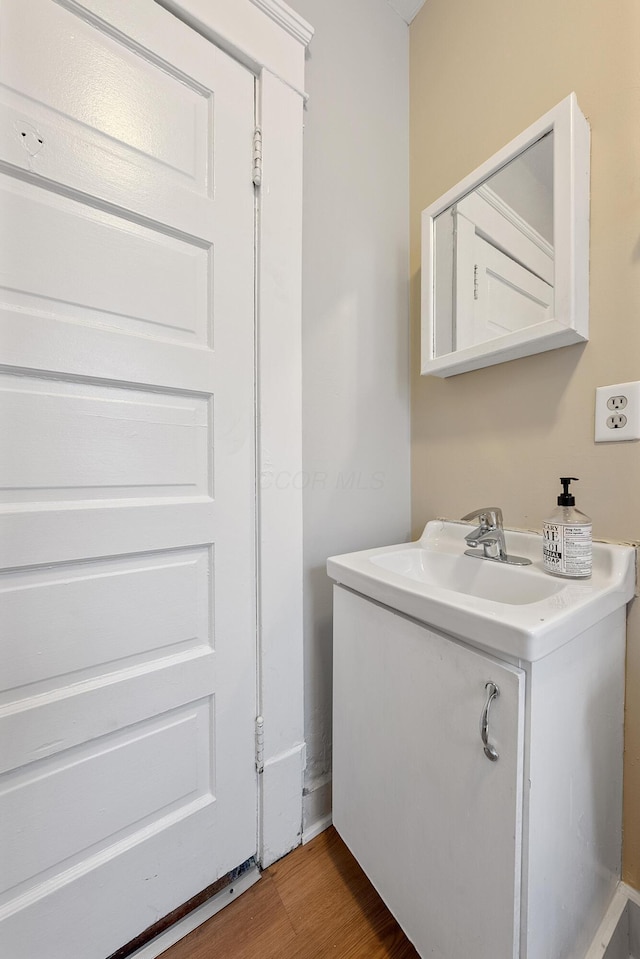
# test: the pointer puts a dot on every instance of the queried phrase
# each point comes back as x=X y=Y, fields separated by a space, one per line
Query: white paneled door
x=127 y=472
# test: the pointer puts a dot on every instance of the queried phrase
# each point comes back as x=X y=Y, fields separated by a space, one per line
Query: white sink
x=517 y=611
x=500 y=583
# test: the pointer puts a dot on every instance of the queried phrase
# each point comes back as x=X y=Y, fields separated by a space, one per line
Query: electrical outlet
x=617 y=413
x=617 y=422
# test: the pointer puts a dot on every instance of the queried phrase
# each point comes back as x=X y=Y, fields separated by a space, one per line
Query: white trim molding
x=316 y=806
x=271 y=39
x=316 y=828
x=624 y=908
x=288 y=19
x=261 y=34
x=280 y=557
x=509 y=214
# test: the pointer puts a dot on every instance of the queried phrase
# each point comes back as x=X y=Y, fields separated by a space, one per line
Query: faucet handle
x=487 y=516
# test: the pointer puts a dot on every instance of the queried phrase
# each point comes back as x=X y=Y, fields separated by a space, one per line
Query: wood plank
x=333 y=907
x=255 y=925
x=314 y=903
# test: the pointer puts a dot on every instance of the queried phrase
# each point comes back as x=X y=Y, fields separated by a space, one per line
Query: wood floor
x=314 y=903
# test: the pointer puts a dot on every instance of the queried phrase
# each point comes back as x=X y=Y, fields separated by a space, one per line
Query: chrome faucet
x=490 y=536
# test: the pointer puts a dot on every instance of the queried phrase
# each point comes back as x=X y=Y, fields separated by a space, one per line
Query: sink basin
x=487 y=580
x=517 y=611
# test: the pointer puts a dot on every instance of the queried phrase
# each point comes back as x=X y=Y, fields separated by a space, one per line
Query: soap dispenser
x=567 y=537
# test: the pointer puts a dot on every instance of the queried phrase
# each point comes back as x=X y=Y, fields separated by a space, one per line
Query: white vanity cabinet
x=479 y=859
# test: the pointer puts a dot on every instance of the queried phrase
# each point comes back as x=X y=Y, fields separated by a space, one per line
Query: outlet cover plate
x=617 y=413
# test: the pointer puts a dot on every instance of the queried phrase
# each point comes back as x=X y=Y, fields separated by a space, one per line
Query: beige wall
x=480 y=73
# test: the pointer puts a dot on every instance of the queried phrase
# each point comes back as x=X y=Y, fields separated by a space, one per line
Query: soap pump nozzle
x=566 y=498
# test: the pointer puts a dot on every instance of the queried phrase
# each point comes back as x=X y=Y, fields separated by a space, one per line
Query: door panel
x=435 y=825
x=161 y=123
x=127 y=277
x=504 y=272
x=510 y=297
x=134 y=444
x=41 y=794
x=109 y=610
x=127 y=482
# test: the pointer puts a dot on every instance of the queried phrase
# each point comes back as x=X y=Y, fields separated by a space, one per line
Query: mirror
x=505 y=252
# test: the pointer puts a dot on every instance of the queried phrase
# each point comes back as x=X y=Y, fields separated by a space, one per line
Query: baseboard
x=620 y=926
x=315 y=828
x=194 y=919
x=316 y=807
x=317 y=800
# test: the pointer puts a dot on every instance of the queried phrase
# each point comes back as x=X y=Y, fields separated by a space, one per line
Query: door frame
x=270 y=39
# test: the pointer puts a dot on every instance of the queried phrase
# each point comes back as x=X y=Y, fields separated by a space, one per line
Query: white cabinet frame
x=270 y=38
x=570 y=323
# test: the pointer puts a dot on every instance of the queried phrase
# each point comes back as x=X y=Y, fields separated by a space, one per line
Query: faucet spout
x=475 y=536
x=492 y=542
x=490 y=536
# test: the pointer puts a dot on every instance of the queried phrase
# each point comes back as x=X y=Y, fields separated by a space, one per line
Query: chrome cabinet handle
x=492 y=693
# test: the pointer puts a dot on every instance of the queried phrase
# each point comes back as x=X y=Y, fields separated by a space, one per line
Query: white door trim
x=271 y=38
x=262 y=34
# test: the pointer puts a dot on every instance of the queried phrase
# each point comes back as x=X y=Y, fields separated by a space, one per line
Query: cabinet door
x=436 y=825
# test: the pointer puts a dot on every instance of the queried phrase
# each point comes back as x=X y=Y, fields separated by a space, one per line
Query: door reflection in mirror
x=494 y=254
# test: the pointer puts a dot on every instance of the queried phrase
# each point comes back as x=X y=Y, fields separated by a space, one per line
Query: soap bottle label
x=567 y=550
